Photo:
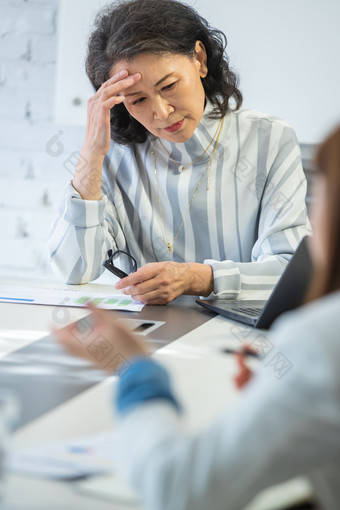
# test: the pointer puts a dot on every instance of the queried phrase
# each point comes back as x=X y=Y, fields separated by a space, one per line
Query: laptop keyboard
x=254 y=312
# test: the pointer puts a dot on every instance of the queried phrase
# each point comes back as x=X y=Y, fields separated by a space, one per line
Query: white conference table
x=202 y=376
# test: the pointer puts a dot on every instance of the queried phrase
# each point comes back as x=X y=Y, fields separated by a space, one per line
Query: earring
x=204 y=70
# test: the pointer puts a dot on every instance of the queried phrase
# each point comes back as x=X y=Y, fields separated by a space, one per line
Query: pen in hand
x=244 y=351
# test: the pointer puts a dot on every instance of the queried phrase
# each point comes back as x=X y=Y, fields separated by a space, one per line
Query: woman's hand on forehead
x=119 y=82
x=98 y=130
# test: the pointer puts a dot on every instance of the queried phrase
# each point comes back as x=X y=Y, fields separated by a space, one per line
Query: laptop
x=288 y=294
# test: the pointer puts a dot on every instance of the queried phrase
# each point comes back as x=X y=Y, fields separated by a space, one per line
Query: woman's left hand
x=158 y=283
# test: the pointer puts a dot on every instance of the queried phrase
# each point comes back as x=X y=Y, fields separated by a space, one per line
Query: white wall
x=287 y=55
x=32 y=165
x=72 y=85
x=285 y=51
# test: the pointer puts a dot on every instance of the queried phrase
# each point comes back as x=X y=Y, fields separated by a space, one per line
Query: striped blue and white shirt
x=246 y=225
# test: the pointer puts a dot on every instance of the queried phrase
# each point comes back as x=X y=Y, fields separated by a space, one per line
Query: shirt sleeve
x=282 y=224
x=283 y=425
x=81 y=236
x=142 y=381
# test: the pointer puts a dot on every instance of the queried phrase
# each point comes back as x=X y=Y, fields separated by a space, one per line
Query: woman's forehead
x=150 y=63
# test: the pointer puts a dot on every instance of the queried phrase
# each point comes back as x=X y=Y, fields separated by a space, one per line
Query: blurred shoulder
x=318 y=321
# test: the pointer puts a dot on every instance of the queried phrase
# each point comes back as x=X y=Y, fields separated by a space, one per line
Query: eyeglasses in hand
x=109 y=263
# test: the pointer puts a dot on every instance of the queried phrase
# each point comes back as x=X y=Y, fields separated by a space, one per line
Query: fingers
x=158 y=294
x=68 y=340
x=249 y=349
x=241 y=362
x=168 y=272
x=155 y=289
x=244 y=374
x=102 y=339
x=143 y=287
x=111 y=93
x=143 y=274
x=116 y=85
x=155 y=283
x=156 y=298
x=116 y=77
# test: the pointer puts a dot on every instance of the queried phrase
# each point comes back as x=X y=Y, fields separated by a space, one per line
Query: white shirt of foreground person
x=277 y=429
x=253 y=211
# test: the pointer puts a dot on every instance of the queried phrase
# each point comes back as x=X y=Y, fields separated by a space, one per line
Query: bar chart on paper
x=67 y=297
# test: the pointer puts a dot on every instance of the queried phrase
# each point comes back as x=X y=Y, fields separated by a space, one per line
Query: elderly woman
x=208 y=198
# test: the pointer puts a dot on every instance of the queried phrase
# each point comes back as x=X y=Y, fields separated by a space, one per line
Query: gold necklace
x=179 y=165
x=170 y=246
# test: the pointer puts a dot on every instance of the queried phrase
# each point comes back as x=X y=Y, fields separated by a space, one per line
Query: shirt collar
x=198 y=143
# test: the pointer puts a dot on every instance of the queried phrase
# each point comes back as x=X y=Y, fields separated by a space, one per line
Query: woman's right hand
x=244 y=374
x=111 y=93
x=88 y=173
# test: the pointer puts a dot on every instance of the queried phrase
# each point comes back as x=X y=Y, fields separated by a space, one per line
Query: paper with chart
x=67 y=297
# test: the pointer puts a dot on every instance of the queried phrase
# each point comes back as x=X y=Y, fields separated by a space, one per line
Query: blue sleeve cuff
x=143 y=380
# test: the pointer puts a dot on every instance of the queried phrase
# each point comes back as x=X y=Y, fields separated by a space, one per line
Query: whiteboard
x=286 y=53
